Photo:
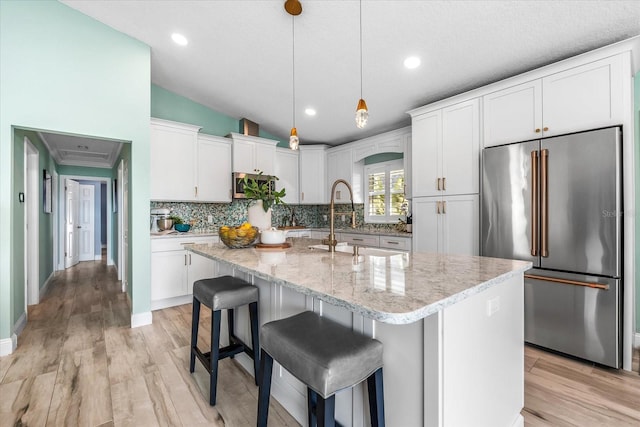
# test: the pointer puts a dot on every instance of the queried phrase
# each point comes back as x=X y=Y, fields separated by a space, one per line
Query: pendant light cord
x=293 y=66
x=360 y=49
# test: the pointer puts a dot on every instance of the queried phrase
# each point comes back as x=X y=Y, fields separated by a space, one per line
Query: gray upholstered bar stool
x=326 y=357
x=220 y=293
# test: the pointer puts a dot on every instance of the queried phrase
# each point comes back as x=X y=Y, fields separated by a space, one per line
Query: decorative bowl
x=183 y=228
x=238 y=237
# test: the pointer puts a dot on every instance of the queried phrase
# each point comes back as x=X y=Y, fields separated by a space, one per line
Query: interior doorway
x=32 y=224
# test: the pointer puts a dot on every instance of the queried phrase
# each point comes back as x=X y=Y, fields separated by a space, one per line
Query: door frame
x=61 y=216
x=31 y=224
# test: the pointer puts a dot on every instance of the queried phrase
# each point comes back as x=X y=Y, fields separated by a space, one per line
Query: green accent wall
x=636 y=213
x=62 y=71
x=382 y=157
x=170 y=106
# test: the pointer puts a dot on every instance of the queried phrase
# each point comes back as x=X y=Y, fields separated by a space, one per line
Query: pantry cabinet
x=445 y=149
x=448 y=224
x=588 y=96
x=173 y=270
x=251 y=153
x=313 y=174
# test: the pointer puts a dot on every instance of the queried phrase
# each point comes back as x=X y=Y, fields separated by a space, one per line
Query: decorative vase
x=258 y=217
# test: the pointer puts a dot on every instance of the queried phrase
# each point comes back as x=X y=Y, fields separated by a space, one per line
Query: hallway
x=78 y=362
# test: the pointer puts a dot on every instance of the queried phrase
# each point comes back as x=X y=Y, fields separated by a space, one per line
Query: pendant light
x=294 y=8
x=362 y=112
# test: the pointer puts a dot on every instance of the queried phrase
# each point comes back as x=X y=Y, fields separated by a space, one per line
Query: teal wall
x=170 y=106
x=64 y=72
x=636 y=118
x=382 y=157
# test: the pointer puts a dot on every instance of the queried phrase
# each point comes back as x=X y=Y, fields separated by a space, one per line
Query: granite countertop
x=395 y=288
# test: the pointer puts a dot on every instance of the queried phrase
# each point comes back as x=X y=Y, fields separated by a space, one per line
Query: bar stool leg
x=376 y=398
x=312 y=402
x=231 y=326
x=325 y=411
x=195 y=320
x=255 y=339
x=216 y=318
x=266 y=366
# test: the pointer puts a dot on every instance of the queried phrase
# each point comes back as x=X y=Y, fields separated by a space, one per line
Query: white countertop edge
x=390 y=318
x=178 y=234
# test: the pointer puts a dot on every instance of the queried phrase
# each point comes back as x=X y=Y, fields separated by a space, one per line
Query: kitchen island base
x=460 y=366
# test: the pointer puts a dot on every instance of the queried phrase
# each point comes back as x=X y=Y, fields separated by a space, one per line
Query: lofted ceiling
x=239 y=57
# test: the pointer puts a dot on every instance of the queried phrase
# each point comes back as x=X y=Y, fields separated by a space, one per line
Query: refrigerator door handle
x=567 y=282
x=544 y=205
x=534 y=203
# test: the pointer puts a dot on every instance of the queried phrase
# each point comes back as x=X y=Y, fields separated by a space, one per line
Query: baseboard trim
x=20 y=324
x=110 y=261
x=45 y=286
x=8 y=345
x=97 y=257
x=141 y=319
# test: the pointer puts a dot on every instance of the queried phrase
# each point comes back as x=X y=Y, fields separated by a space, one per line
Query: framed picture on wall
x=46 y=191
x=115 y=195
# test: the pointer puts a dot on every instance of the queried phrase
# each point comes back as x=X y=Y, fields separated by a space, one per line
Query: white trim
x=32 y=179
x=171 y=302
x=141 y=319
x=8 y=345
x=20 y=324
x=46 y=283
x=97 y=257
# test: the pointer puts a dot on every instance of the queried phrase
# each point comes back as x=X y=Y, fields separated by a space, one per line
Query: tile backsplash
x=235 y=213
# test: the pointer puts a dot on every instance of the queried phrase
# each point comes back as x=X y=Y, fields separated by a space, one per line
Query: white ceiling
x=81 y=151
x=239 y=57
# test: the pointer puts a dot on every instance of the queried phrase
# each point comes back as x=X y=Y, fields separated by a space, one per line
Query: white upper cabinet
x=252 y=153
x=173 y=152
x=313 y=174
x=188 y=167
x=340 y=166
x=286 y=169
x=583 y=97
x=513 y=114
x=445 y=150
x=214 y=169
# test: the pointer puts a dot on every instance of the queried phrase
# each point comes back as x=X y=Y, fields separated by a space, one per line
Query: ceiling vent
x=247 y=127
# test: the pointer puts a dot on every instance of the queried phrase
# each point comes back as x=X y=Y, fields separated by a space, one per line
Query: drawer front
x=401 y=243
x=177 y=243
x=299 y=233
x=360 y=239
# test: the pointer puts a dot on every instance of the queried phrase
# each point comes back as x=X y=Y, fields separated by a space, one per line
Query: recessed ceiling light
x=310 y=112
x=179 y=39
x=412 y=62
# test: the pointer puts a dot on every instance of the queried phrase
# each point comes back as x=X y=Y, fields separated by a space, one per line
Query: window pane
x=376 y=205
x=397 y=200
x=397 y=181
x=376 y=183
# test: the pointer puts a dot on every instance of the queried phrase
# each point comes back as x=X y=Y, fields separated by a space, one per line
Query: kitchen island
x=451 y=325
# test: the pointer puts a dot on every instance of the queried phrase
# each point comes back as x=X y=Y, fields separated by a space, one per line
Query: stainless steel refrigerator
x=557 y=203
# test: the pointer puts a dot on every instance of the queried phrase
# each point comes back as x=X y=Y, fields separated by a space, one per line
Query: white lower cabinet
x=446 y=224
x=174 y=269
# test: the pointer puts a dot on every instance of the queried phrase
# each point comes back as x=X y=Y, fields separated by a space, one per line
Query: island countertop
x=396 y=288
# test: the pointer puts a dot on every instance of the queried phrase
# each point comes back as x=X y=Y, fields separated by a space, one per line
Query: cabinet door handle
x=537 y=130
x=444 y=183
x=196 y=191
x=545 y=129
x=302 y=196
x=439 y=184
x=357 y=240
x=392 y=243
x=438 y=207
x=185 y=259
x=189 y=259
x=444 y=207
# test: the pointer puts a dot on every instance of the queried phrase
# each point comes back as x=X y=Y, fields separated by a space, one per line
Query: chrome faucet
x=331 y=241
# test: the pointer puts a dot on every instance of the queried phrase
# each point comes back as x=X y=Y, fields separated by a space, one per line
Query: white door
x=86 y=223
x=71 y=253
x=31 y=218
x=460 y=225
x=426 y=146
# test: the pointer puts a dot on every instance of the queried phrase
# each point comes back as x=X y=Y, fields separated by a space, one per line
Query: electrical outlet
x=210 y=219
x=342 y=217
x=324 y=217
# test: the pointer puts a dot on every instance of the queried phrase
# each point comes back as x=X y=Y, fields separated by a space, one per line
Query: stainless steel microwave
x=238 y=183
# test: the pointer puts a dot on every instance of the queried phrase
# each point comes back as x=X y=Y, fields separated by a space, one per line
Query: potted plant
x=264 y=196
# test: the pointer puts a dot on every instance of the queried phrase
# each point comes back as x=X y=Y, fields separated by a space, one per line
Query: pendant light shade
x=294 y=142
x=362 y=114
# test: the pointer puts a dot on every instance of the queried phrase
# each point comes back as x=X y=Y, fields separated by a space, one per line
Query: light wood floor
x=78 y=362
